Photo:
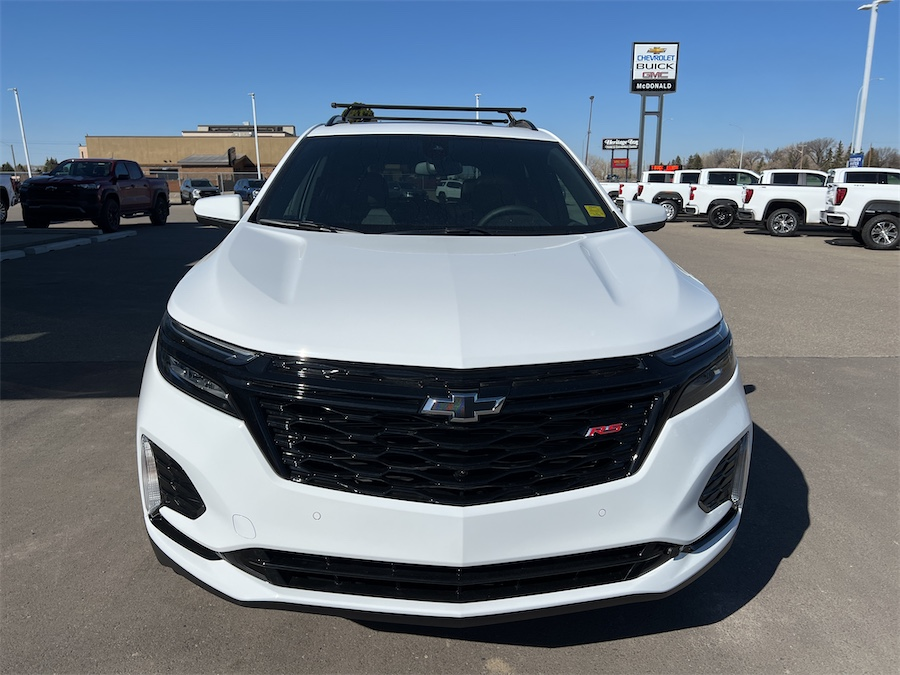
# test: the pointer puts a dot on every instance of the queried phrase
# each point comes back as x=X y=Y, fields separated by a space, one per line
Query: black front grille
x=360 y=428
x=364 y=428
x=428 y=583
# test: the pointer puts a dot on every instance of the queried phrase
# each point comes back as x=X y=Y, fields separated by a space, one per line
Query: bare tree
x=598 y=166
x=817 y=152
x=719 y=157
x=888 y=157
x=754 y=160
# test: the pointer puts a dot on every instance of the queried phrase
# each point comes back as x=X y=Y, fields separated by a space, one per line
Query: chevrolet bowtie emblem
x=464 y=407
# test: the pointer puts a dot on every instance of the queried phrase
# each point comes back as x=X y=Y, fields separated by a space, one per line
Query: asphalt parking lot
x=811 y=585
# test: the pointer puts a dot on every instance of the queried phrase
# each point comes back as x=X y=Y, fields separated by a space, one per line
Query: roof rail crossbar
x=365 y=112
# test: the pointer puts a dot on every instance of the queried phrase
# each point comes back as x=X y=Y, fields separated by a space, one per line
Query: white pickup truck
x=866 y=200
x=626 y=190
x=784 y=200
x=669 y=189
x=717 y=193
x=9 y=196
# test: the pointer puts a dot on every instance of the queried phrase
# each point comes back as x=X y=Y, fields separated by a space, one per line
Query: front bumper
x=86 y=208
x=746 y=215
x=690 y=209
x=247 y=507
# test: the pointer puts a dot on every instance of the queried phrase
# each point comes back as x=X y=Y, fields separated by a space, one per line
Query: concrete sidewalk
x=17 y=241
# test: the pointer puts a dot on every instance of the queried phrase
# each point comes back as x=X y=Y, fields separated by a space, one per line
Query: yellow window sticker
x=595 y=211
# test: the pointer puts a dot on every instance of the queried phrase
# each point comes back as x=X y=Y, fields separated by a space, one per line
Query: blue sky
x=765 y=73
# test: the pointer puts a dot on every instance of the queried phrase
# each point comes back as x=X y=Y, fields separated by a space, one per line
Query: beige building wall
x=158 y=151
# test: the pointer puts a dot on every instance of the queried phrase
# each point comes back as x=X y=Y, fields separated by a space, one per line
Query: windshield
x=201 y=183
x=255 y=183
x=388 y=184
x=82 y=169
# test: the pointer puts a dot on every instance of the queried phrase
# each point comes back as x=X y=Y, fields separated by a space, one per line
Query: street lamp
x=741 y=160
x=477 y=99
x=22 y=127
x=873 y=19
x=856 y=113
x=256 y=135
x=587 y=147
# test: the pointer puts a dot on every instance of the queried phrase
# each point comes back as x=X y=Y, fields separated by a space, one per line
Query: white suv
x=448 y=189
x=480 y=410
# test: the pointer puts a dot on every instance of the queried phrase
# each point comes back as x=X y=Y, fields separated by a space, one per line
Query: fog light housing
x=728 y=481
x=149 y=477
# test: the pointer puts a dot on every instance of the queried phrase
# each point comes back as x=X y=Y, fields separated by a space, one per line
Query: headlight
x=194 y=363
x=713 y=355
x=195 y=193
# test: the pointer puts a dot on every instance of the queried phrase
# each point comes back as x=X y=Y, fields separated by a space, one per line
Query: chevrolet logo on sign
x=656 y=50
x=464 y=407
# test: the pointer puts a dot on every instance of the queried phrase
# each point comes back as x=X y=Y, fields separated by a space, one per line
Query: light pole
x=741 y=160
x=255 y=135
x=587 y=148
x=22 y=127
x=477 y=102
x=873 y=19
x=856 y=113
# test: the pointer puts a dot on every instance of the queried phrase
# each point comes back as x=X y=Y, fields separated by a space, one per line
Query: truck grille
x=360 y=428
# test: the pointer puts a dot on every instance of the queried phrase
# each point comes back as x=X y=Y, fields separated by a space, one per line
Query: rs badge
x=605 y=430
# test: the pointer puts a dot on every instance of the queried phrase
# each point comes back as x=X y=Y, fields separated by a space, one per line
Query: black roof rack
x=365 y=112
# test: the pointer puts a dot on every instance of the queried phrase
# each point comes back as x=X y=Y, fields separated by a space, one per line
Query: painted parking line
x=64 y=244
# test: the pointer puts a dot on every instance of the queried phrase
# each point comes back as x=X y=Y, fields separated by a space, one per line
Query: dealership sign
x=620 y=144
x=654 y=67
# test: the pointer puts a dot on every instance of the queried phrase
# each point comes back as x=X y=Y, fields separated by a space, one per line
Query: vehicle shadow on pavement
x=79 y=323
x=776 y=516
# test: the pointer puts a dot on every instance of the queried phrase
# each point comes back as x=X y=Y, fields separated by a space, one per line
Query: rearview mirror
x=444 y=167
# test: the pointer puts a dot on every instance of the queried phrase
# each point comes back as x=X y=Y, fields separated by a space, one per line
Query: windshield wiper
x=303 y=225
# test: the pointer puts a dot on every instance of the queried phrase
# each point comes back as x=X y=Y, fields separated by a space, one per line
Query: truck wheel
x=721 y=216
x=783 y=223
x=671 y=209
x=32 y=221
x=857 y=236
x=109 y=217
x=881 y=232
x=4 y=210
x=160 y=211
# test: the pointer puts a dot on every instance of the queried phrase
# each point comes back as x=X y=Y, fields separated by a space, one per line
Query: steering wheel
x=509 y=209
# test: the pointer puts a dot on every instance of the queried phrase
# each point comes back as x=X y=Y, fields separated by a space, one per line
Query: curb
x=60 y=245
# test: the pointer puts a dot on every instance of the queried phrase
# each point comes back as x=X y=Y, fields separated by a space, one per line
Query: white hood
x=454 y=301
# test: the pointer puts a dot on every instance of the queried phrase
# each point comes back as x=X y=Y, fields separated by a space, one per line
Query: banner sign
x=654 y=67
x=620 y=163
x=620 y=144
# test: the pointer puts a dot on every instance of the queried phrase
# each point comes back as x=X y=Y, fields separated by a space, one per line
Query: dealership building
x=222 y=153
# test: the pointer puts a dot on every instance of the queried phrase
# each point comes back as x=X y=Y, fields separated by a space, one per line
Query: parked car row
x=781 y=200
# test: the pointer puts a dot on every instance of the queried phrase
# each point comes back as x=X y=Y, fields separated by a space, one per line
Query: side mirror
x=645 y=217
x=220 y=211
